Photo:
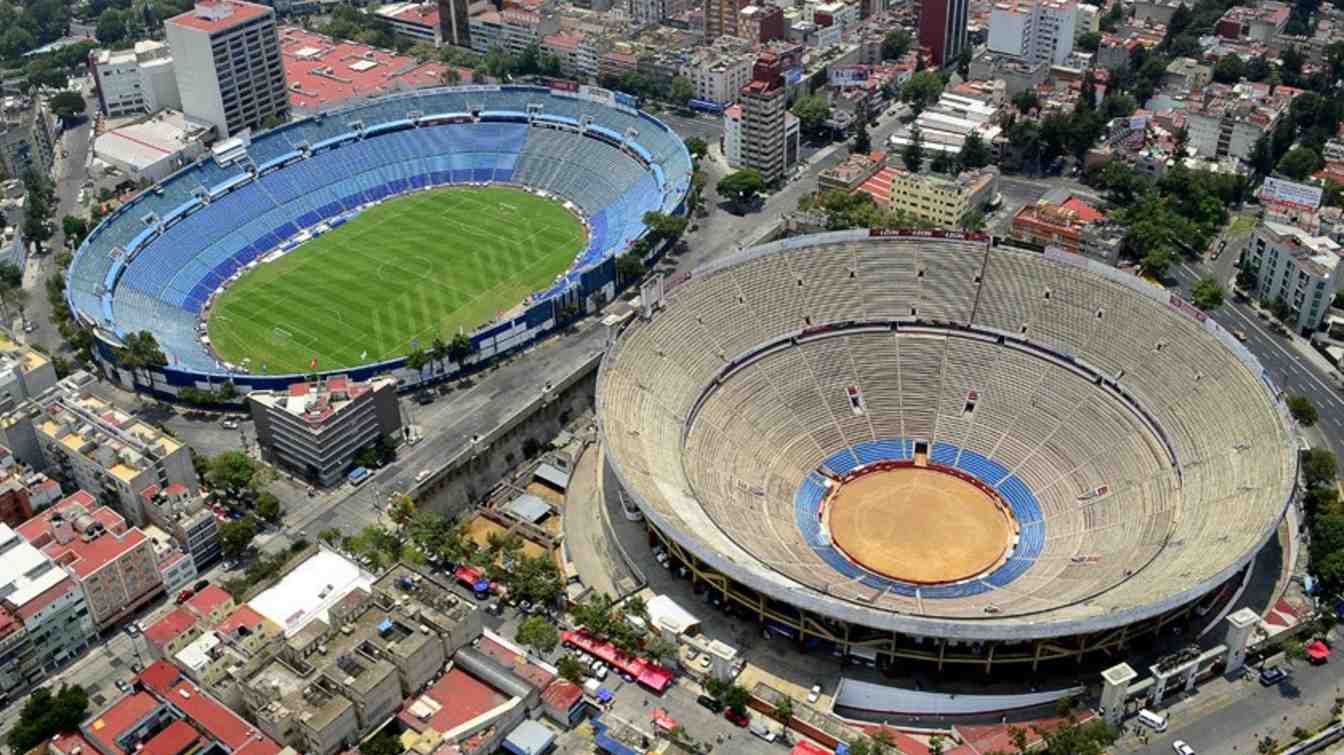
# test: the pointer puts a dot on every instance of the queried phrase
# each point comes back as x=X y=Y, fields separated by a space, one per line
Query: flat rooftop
x=148 y=142
x=307 y=592
x=324 y=72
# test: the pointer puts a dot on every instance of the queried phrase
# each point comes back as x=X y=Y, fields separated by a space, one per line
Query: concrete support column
x=1114 y=691
x=1239 y=626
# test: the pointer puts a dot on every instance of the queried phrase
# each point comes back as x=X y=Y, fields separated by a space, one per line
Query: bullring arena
x=931 y=448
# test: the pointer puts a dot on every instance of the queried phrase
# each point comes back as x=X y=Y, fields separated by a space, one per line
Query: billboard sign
x=1290 y=192
x=848 y=76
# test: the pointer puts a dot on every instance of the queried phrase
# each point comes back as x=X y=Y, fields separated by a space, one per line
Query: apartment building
x=1258 y=24
x=114 y=564
x=183 y=514
x=941 y=200
x=229 y=73
x=454 y=27
x=315 y=429
x=1040 y=31
x=763 y=111
x=24 y=373
x=99 y=448
x=720 y=71
x=761 y=23
x=27 y=137
x=942 y=29
x=166 y=637
x=165 y=713
x=344 y=672
x=1225 y=121
x=44 y=617
x=140 y=80
x=510 y=30
x=417 y=21
x=1072 y=225
x=1293 y=267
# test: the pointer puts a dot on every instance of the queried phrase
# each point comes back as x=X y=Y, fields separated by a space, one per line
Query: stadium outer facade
x=100 y=264
x=848 y=624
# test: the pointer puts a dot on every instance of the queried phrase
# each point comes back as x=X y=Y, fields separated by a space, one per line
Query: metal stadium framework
x=1144 y=454
x=157 y=262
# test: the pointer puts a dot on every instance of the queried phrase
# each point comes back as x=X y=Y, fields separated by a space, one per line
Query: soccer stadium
x=925 y=447
x=355 y=236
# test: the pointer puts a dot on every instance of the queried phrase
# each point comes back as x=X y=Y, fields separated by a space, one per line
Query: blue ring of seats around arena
x=1026 y=510
x=154 y=263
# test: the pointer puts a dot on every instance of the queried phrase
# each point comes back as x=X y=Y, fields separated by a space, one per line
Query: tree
x=1156 y=263
x=141 y=353
x=538 y=633
x=570 y=668
x=1207 y=294
x=681 y=90
x=45 y=714
x=628 y=268
x=974 y=154
x=459 y=348
x=1026 y=101
x=235 y=537
x=812 y=112
x=922 y=90
x=438 y=351
x=784 y=709
x=382 y=743
x=913 y=154
x=268 y=507
x=401 y=511
x=1229 y=69
x=736 y=699
x=697 y=147
x=417 y=359
x=1302 y=410
x=942 y=163
x=740 y=186
x=1299 y=162
x=67 y=105
x=231 y=471
x=896 y=44
x=1318 y=464
x=973 y=220
x=1089 y=42
x=862 y=144
x=111 y=27
x=75 y=229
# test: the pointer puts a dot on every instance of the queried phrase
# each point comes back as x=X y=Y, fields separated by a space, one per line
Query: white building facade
x=1042 y=31
x=1296 y=268
x=142 y=80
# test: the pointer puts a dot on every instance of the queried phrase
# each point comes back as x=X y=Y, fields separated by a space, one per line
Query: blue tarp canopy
x=604 y=695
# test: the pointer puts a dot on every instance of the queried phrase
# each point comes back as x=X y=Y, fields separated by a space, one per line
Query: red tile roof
x=211 y=715
x=174 y=740
x=170 y=626
x=242 y=616
x=226 y=14
x=420 y=14
x=1086 y=212
x=160 y=676
x=84 y=557
x=462 y=697
x=47 y=597
x=562 y=694
x=64 y=744
x=207 y=600
x=323 y=71
x=119 y=718
x=535 y=675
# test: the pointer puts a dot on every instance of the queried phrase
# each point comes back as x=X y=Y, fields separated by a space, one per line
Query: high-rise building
x=763 y=112
x=453 y=26
x=721 y=18
x=1041 y=31
x=229 y=72
x=1296 y=270
x=130 y=82
x=316 y=429
x=942 y=29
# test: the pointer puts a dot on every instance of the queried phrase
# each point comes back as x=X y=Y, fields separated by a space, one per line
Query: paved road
x=1227 y=718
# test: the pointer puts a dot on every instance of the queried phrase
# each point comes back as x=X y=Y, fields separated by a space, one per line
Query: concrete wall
x=469 y=475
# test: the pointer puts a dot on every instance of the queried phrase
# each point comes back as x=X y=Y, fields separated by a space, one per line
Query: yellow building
x=938 y=199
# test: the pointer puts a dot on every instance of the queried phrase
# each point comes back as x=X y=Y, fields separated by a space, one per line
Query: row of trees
x=607 y=620
x=456 y=350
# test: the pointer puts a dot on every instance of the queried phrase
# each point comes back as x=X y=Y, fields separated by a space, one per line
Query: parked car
x=123 y=686
x=709 y=703
x=737 y=719
x=599 y=671
x=1272 y=676
x=201 y=585
x=814 y=694
x=1182 y=748
x=184 y=596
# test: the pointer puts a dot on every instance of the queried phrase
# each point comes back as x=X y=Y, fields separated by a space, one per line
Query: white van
x=762 y=729
x=1152 y=720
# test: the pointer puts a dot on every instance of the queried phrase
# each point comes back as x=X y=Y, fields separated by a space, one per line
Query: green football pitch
x=408 y=270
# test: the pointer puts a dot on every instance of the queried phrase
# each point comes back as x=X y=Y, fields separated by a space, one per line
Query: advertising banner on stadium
x=921 y=233
x=479 y=88
x=623 y=99
x=1290 y=192
x=848 y=76
x=562 y=86
x=597 y=94
x=1186 y=308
